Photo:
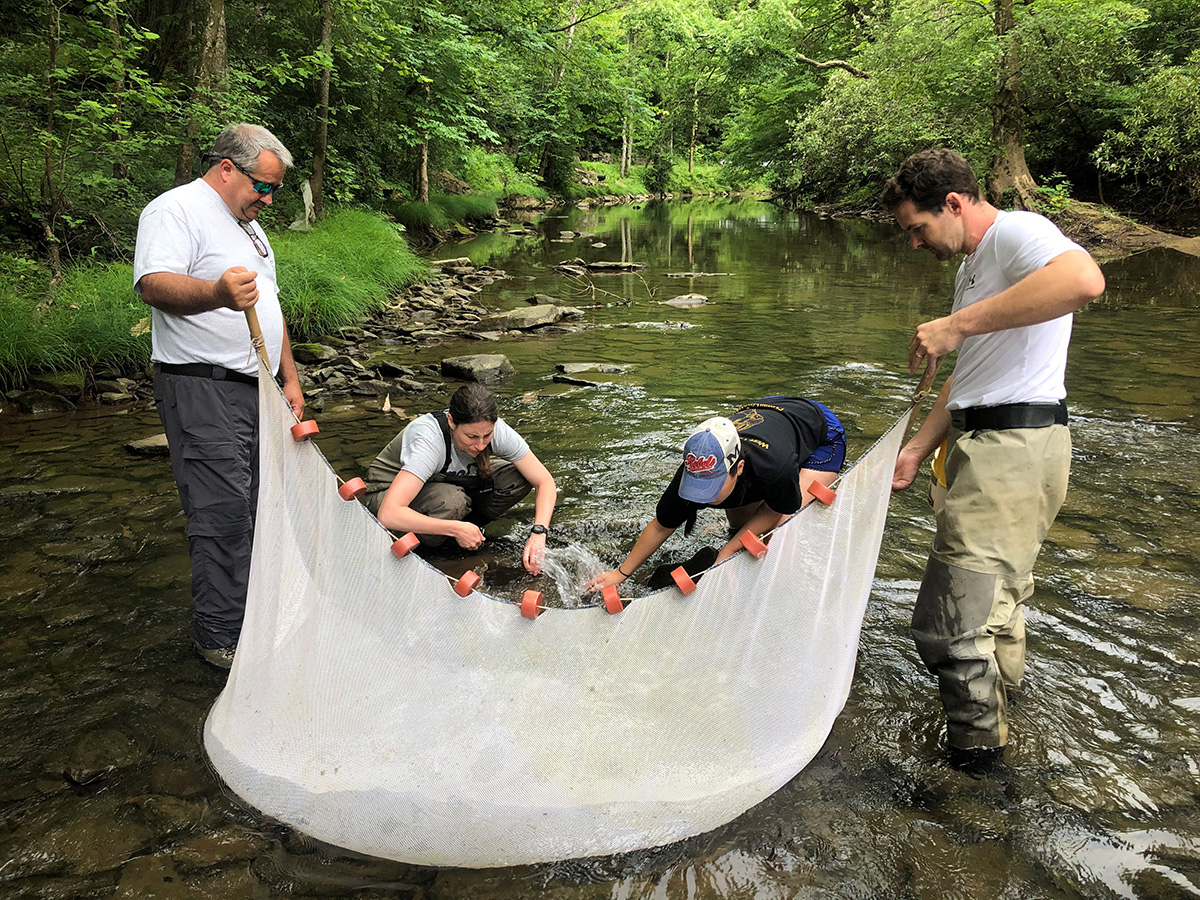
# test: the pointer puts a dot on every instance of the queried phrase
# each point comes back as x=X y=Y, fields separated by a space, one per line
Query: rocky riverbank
x=367 y=359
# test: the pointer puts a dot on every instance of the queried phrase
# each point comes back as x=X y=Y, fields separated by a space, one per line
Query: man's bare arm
x=183 y=295
x=1067 y=283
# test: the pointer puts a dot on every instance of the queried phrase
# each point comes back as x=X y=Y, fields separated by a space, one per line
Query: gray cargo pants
x=212 y=432
x=1004 y=489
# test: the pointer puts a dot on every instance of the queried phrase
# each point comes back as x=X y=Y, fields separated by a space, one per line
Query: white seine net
x=371 y=707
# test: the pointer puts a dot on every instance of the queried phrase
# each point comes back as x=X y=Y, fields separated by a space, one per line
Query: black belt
x=204 y=370
x=1010 y=415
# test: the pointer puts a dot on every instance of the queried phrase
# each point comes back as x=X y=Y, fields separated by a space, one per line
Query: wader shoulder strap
x=441 y=420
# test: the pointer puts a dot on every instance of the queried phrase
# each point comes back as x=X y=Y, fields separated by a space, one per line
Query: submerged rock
x=66 y=384
x=38 y=402
x=486 y=368
x=683 y=301
x=524 y=318
x=155 y=445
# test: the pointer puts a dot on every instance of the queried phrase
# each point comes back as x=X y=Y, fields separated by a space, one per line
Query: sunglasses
x=260 y=187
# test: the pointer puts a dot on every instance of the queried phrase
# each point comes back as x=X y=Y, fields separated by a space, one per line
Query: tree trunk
x=423 y=166
x=624 y=168
x=321 y=141
x=423 y=172
x=695 y=126
x=117 y=88
x=1009 y=182
x=211 y=70
x=48 y=189
x=566 y=53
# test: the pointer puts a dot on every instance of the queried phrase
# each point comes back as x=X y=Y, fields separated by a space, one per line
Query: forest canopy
x=105 y=104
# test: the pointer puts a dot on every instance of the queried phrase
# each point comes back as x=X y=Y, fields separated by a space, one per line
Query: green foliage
x=496 y=174
x=92 y=319
x=97 y=98
x=343 y=269
x=613 y=184
x=1157 y=145
x=100 y=318
x=657 y=176
x=851 y=140
x=77 y=112
x=442 y=211
x=1053 y=196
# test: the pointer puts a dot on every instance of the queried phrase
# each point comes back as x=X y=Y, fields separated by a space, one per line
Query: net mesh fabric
x=371 y=707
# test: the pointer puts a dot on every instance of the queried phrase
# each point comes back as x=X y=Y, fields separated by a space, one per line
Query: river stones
x=40 y=402
x=485 y=368
x=523 y=319
x=685 y=301
x=313 y=353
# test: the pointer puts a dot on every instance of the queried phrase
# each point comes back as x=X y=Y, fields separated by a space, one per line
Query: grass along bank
x=92 y=322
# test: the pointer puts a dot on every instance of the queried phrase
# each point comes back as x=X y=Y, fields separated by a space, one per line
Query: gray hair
x=243 y=143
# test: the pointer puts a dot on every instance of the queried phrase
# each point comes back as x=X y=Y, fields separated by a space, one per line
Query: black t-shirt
x=778 y=435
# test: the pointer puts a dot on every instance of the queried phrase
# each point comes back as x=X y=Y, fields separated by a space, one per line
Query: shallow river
x=1101 y=796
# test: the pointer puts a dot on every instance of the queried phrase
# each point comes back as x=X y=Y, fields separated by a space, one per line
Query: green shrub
x=442 y=211
x=330 y=277
x=467 y=207
x=101 y=318
x=26 y=345
x=92 y=319
x=1156 y=149
x=496 y=174
x=346 y=267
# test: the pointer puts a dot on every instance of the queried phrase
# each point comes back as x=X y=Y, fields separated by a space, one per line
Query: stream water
x=104 y=789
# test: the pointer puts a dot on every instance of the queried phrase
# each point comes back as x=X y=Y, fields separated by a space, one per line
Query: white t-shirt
x=1016 y=365
x=190 y=231
x=423 y=448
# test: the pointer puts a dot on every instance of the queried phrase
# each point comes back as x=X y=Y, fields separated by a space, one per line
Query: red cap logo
x=700 y=465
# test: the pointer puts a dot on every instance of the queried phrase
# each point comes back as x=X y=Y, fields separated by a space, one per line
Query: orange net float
x=352 y=489
x=466 y=584
x=683 y=580
x=531 y=604
x=753 y=543
x=821 y=493
x=302 y=431
x=402 y=546
x=612 y=600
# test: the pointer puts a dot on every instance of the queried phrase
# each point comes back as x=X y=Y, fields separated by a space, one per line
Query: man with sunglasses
x=201 y=261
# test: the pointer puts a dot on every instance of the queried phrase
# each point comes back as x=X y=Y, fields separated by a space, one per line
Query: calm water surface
x=1101 y=796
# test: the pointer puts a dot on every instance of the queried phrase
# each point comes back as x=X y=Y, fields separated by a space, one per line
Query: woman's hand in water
x=468 y=535
x=535 y=547
x=603 y=580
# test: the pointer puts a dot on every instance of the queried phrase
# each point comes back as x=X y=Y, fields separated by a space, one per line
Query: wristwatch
x=539 y=529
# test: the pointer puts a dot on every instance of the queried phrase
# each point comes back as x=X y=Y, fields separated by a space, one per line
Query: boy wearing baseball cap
x=756 y=465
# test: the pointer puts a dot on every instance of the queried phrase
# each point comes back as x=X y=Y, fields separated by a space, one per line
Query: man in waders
x=1003 y=418
x=449 y=473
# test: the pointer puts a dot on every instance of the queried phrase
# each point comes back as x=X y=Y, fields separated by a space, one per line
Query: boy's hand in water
x=603 y=580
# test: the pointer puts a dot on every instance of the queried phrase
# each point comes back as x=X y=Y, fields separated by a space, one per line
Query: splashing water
x=571 y=567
